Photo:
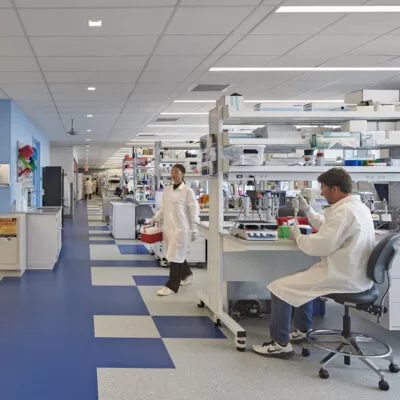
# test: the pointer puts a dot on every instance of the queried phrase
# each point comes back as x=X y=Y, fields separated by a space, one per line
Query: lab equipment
x=254 y=230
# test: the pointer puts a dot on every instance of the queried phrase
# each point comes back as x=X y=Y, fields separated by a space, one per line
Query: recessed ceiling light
x=294 y=101
x=303 y=69
x=95 y=23
x=88 y=140
x=194 y=101
x=89 y=116
x=338 y=9
x=184 y=113
x=91 y=88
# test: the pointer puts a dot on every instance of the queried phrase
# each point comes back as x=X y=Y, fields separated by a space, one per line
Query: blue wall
x=16 y=127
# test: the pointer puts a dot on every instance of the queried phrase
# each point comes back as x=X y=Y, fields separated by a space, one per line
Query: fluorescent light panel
x=303 y=69
x=177 y=126
x=91 y=89
x=194 y=101
x=89 y=116
x=294 y=101
x=170 y=134
x=338 y=9
x=95 y=23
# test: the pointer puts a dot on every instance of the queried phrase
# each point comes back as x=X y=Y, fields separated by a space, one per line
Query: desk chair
x=351 y=344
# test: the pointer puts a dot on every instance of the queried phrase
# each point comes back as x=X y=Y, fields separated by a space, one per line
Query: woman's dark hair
x=181 y=168
x=337 y=177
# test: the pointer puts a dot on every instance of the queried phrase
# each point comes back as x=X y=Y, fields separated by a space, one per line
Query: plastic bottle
x=320 y=159
x=283 y=231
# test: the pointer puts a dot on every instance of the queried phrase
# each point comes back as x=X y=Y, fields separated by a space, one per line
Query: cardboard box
x=380 y=96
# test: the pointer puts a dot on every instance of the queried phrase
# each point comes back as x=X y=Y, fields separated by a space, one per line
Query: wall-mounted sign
x=86 y=168
x=4 y=174
x=8 y=227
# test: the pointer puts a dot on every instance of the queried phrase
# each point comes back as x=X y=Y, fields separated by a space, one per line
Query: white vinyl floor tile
x=100 y=252
x=122 y=326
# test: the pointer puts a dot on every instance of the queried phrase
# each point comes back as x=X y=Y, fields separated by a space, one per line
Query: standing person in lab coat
x=180 y=213
x=94 y=186
x=344 y=241
x=88 y=189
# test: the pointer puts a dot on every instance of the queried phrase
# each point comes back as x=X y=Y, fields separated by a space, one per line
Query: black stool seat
x=367 y=297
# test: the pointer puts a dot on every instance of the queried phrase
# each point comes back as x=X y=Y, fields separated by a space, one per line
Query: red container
x=151 y=235
x=302 y=221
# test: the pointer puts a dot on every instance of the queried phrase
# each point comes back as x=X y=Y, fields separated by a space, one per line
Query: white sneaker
x=298 y=336
x=273 y=349
x=187 y=281
x=165 y=291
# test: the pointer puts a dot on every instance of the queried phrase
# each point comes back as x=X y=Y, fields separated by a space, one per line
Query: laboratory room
x=199 y=199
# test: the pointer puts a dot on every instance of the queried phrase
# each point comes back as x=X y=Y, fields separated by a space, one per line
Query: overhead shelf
x=274 y=143
x=291 y=173
x=231 y=117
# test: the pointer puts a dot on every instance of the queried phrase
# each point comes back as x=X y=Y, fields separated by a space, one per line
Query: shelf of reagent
x=179 y=161
x=190 y=176
x=293 y=173
x=298 y=143
x=232 y=117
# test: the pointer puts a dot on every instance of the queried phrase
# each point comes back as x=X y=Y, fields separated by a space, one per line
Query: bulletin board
x=8 y=227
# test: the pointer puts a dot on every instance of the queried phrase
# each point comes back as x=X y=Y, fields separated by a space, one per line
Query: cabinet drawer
x=8 y=251
x=395 y=291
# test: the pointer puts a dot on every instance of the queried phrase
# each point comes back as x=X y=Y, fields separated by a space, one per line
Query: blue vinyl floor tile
x=187 y=327
x=47 y=346
x=98 y=228
x=150 y=280
x=132 y=249
x=124 y=263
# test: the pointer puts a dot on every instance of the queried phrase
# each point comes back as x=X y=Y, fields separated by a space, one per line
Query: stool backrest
x=380 y=260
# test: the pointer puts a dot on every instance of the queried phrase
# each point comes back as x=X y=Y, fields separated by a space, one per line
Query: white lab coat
x=88 y=187
x=344 y=241
x=179 y=211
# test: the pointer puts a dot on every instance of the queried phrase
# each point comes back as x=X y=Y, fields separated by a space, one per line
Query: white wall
x=63 y=156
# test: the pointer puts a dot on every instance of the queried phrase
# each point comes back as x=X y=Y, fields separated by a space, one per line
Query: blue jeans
x=281 y=314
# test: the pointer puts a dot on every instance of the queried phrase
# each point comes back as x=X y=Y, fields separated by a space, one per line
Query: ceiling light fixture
x=338 y=9
x=89 y=116
x=170 y=134
x=177 y=126
x=95 y=23
x=88 y=130
x=91 y=89
x=88 y=140
x=303 y=69
x=294 y=101
x=184 y=113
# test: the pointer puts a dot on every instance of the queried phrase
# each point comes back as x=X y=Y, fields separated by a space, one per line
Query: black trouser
x=177 y=273
x=88 y=196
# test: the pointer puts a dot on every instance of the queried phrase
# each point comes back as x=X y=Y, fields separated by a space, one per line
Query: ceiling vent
x=210 y=87
x=167 y=119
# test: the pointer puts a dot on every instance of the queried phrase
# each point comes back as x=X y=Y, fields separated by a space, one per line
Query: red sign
x=86 y=168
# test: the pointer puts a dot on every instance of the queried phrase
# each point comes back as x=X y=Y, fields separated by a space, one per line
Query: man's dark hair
x=337 y=177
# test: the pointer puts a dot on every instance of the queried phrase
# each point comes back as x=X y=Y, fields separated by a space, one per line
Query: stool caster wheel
x=201 y=304
x=323 y=373
x=305 y=352
x=394 y=368
x=241 y=349
x=217 y=322
x=383 y=385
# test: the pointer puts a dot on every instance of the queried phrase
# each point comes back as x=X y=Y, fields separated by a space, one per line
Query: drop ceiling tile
x=18 y=64
x=164 y=77
x=224 y=3
x=145 y=88
x=94 y=78
x=244 y=61
x=291 y=60
x=324 y=2
x=92 y=3
x=330 y=45
x=74 y=22
x=20 y=77
x=386 y=45
x=14 y=47
x=357 y=61
x=94 y=105
x=93 y=46
x=135 y=63
x=37 y=92
x=5 y=4
x=267 y=44
x=173 y=63
x=295 y=23
x=9 y=24
x=192 y=20
x=188 y=45
x=364 y=23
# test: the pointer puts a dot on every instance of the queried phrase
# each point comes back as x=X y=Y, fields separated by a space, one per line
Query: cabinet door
x=9 y=253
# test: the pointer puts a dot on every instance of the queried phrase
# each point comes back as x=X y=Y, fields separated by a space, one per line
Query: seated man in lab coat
x=344 y=241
